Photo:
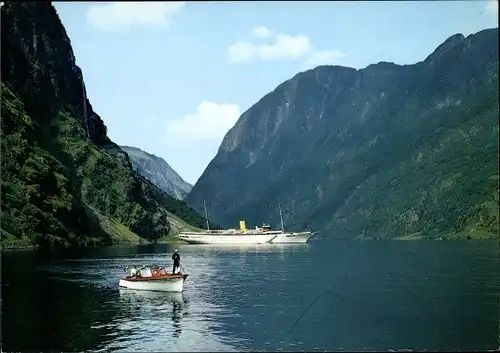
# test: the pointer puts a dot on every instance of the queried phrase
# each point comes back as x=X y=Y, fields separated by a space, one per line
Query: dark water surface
x=377 y=295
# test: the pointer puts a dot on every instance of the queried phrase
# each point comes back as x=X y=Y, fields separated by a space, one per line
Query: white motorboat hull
x=168 y=284
x=194 y=238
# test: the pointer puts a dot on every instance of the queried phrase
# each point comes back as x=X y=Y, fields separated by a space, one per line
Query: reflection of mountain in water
x=46 y=313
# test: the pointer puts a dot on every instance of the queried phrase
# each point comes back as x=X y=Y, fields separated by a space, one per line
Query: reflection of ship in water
x=150 y=299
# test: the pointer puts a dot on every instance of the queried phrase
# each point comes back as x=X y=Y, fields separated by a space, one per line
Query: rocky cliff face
x=385 y=151
x=63 y=181
x=156 y=170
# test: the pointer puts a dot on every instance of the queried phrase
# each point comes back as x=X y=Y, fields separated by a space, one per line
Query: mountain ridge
x=320 y=138
x=158 y=171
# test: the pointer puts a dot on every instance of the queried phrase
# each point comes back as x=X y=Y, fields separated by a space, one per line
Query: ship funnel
x=243 y=226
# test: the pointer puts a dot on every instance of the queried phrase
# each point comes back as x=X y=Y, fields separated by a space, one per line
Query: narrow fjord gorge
x=158 y=171
x=64 y=182
x=387 y=151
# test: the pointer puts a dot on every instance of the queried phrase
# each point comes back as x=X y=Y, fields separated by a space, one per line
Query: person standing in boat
x=177 y=260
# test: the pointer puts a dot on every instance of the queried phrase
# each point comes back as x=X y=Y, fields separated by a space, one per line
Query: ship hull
x=260 y=238
x=194 y=238
x=299 y=238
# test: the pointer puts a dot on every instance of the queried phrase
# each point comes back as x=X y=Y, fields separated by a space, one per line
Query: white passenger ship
x=259 y=235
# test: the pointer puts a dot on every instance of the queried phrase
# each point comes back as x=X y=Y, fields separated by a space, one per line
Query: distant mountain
x=156 y=170
x=64 y=182
x=382 y=152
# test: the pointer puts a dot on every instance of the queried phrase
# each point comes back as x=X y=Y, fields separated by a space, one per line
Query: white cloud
x=123 y=16
x=262 y=32
x=211 y=121
x=284 y=47
x=325 y=57
x=492 y=7
x=241 y=51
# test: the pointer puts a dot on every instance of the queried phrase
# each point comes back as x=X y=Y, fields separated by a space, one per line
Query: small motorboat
x=153 y=279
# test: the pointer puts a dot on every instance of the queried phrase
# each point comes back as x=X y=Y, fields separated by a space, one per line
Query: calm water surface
x=372 y=295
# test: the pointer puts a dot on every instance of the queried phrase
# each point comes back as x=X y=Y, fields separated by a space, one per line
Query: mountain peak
x=158 y=171
x=449 y=44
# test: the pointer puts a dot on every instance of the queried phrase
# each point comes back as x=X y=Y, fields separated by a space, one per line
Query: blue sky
x=171 y=78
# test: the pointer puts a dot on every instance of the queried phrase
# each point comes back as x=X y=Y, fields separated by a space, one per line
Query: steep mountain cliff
x=63 y=181
x=386 y=151
x=156 y=170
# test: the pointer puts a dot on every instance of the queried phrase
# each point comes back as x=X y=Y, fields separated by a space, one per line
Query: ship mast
x=281 y=217
x=206 y=214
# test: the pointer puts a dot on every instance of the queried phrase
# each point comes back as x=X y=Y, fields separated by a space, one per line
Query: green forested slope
x=63 y=181
x=383 y=152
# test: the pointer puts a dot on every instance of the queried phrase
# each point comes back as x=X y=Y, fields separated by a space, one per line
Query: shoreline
x=171 y=240
x=12 y=246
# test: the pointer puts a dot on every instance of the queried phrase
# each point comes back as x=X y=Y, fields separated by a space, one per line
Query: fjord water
x=370 y=295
